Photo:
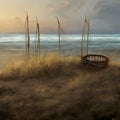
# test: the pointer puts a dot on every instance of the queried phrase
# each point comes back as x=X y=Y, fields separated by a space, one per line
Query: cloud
x=106 y=19
x=103 y=15
x=72 y=12
x=64 y=7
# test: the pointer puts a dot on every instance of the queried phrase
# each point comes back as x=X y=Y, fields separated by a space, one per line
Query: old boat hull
x=96 y=60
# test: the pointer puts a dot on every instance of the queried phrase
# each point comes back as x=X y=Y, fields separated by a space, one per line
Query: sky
x=104 y=15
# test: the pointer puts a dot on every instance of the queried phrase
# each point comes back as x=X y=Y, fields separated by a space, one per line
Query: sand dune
x=59 y=88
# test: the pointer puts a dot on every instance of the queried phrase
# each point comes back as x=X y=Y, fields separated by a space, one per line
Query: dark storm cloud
x=107 y=18
x=66 y=7
x=103 y=14
x=71 y=12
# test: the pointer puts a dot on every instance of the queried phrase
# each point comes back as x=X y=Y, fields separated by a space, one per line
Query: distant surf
x=70 y=44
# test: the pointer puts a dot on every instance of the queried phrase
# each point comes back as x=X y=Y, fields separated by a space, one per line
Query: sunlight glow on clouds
x=103 y=14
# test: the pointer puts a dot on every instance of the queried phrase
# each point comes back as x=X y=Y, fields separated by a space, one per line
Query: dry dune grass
x=50 y=64
x=59 y=88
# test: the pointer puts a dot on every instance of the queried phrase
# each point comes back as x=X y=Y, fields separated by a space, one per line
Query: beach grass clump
x=43 y=66
x=54 y=87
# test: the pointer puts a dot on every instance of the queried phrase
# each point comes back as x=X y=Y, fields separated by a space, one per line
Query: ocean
x=14 y=44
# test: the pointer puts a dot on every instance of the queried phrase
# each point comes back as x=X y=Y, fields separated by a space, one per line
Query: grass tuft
x=55 y=87
x=50 y=65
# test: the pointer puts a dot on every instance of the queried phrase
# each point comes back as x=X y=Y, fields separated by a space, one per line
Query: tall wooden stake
x=88 y=30
x=38 y=38
x=85 y=36
x=27 y=37
x=82 y=40
x=59 y=45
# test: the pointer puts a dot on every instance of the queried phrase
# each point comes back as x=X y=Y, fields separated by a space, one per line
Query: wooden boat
x=94 y=60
